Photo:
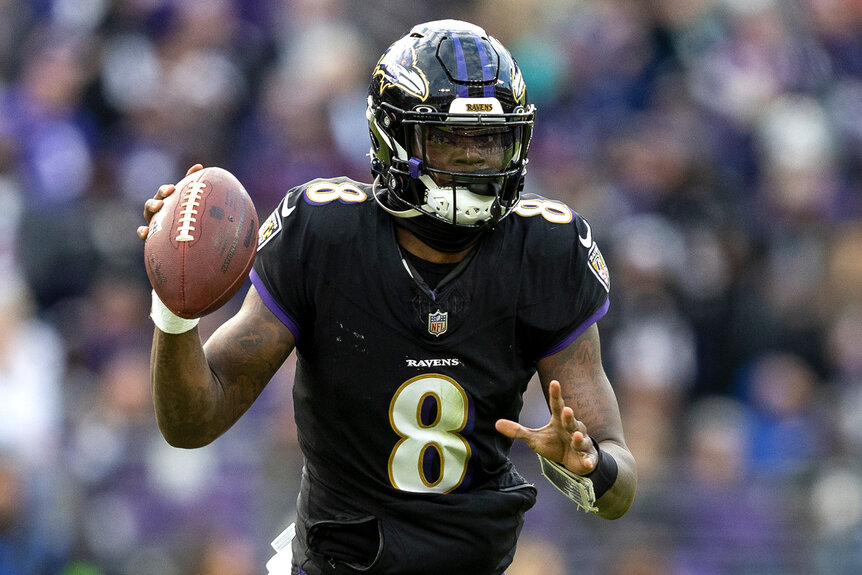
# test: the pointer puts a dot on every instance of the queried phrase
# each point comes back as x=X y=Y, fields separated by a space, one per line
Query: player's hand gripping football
x=564 y=439
x=155 y=203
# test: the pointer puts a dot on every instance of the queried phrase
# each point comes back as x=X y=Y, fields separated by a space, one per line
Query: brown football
x=201 y=245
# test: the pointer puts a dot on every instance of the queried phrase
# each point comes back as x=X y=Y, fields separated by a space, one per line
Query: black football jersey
x=398 y=386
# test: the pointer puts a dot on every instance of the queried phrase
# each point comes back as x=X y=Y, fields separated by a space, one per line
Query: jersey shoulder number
x=314 y=193
x=557 y=212
x=554 y=211
x=322 y=192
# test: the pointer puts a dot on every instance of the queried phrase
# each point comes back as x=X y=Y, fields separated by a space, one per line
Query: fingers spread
x=555 y=398
x=580 y=441
x=568 y=420
x=555 y=390
x=584 y=450
x=511 y=429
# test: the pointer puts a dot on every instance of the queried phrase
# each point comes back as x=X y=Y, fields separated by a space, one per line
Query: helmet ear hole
x=395 y=183
x=387 y=119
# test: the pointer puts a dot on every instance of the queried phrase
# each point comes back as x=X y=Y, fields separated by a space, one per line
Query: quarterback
x=419 y=305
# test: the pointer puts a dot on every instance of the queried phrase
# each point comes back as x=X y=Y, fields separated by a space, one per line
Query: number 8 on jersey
x=429 y=412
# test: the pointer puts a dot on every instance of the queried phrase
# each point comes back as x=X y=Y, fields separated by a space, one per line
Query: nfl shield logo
x=438 y=322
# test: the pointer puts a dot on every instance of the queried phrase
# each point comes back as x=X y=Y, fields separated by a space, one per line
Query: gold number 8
x=428 y=412
x=553 y=211
x=325 y=192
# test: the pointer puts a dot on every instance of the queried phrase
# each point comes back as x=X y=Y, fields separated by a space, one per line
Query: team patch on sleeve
x=268 y=229
x=599 y=267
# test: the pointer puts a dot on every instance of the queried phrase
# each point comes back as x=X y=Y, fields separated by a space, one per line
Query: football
x=201 y=245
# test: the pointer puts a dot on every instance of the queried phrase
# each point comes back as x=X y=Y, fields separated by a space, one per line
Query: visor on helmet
x=446 y=150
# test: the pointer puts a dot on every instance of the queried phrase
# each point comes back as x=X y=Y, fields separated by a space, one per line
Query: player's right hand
x=564 y=439
x=154 y=204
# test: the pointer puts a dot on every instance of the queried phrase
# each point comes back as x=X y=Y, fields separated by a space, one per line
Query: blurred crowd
x=715 y=146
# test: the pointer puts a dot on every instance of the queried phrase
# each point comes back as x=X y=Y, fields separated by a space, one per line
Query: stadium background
x=715 y=145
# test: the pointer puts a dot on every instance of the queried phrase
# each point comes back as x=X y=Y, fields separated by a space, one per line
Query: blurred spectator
x=836 y=515
x=46 y=114
x=728 y=521
x=26 y=547
x=32 y=364
x=536 y=557
x=227 y=556
x=141 y=492
x=641 y=560
x=784 y=435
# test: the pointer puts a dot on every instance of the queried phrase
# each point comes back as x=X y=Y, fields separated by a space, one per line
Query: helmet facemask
x=465 y=169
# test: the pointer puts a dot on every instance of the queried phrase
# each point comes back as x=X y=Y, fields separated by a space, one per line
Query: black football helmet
x=450 y=126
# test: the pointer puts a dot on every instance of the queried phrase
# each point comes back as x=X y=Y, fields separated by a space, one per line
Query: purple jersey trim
x=273 y=306
x=580 y=329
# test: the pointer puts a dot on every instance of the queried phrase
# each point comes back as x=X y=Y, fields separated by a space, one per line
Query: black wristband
x=605 y=473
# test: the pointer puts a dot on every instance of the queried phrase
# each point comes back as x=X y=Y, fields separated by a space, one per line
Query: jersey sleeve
x=277 y=273
x=570 y=291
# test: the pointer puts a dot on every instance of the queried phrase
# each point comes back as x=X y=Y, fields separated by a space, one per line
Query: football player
x=420 y=306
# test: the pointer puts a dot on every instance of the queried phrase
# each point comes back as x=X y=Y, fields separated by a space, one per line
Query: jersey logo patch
x=438 y=322
x=599 y=268
x=268 y=229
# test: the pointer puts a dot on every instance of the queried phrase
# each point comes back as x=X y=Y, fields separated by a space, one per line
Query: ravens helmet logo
x=397 y=69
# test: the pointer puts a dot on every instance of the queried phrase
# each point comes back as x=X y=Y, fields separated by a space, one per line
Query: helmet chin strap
x=438 y=235
x=409 y=213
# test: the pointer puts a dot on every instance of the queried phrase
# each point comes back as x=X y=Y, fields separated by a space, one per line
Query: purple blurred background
x=715 y=146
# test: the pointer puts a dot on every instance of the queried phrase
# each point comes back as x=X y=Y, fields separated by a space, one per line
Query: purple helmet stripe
x=486 y=73
x=463 y=89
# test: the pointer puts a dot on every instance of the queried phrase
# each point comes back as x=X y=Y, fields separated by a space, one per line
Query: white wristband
x=168 y=321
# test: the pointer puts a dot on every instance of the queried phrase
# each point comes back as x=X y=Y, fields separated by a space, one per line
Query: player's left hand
x=564 y=439
x=155 y=203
